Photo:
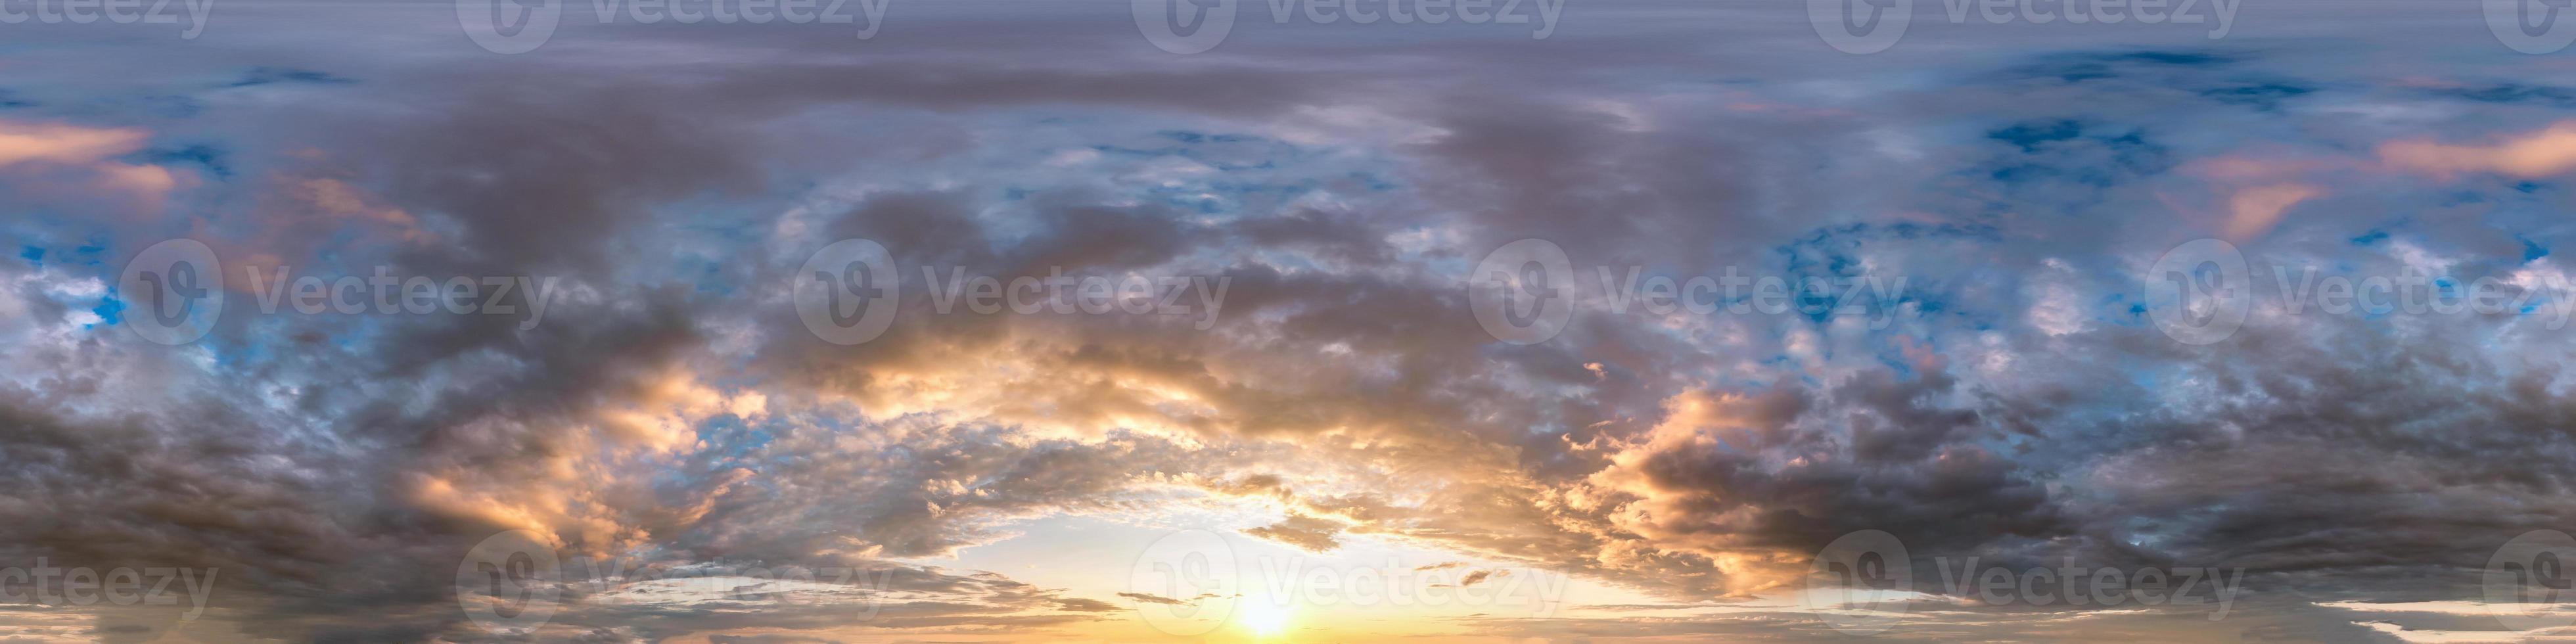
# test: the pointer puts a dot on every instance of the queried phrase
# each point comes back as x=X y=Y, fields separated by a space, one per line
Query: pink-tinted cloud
x=2534 y=154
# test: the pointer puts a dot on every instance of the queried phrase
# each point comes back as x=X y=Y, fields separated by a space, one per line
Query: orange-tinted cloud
x=2542 y=153
x=2252 y=211
x=88 y=151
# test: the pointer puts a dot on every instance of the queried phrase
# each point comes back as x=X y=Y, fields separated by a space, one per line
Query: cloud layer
x=678 y=439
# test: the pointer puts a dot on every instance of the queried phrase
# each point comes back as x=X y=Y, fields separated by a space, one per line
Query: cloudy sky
x=1051 y=321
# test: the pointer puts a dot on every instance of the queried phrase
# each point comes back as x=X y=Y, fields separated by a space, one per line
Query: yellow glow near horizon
x=1264 y=618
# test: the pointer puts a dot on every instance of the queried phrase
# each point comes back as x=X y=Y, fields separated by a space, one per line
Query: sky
x=1249 y=321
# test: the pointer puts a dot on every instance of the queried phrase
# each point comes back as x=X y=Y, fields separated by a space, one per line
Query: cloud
x=22 y=142
x=1151 y=598
x=2253 y=211
x=1305 y=532
x=2539 y=153
x=34 y=150
x=674 y=411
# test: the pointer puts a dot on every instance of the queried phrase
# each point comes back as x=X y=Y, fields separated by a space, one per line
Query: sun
x=1264 y=618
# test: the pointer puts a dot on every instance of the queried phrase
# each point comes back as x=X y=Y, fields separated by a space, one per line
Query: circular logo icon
x=173 y=291
x=1860 y=26
x=2530 y=26
x=1860 y=583
x=846 y=291
x=509 y=26
x=2527 y=578
x=1523 y=293
x=507 y=583
x=1186 y=583
x=1184 y=26
x=2199 y=292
